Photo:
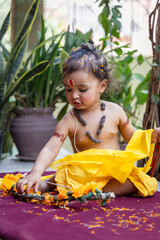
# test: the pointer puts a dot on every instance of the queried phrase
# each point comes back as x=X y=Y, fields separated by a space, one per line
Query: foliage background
x=132 y=69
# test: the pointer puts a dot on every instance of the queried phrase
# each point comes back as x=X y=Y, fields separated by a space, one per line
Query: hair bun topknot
x=89 y=46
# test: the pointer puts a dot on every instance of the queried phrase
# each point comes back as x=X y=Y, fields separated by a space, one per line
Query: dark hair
x=89 y=59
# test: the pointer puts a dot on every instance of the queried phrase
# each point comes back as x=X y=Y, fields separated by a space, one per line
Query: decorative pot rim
x=30 y=110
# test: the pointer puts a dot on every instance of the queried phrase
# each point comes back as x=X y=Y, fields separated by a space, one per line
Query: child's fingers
x=36 y=187
x=20 y=184
x=30 y=184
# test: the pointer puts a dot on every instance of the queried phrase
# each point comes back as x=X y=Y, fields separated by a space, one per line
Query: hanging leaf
x=155 y=98
x=157 y=48
x=140 y=59
x=4 y=26
x=62 y=112
x=118 y=51
x=104 y=22
x=154 y=65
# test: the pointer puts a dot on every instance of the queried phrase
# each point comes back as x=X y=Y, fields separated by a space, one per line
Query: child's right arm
x=46 y=156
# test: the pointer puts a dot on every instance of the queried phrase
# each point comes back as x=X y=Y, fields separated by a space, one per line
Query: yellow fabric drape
x=101 y=165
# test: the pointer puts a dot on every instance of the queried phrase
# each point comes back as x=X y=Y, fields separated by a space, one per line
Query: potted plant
x=34 y=122
x=35 y=100
x=11 y=61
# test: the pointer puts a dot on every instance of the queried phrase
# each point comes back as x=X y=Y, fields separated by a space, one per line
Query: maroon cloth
x=122 y=218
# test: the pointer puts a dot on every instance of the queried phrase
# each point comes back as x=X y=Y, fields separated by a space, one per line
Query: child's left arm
x=155 y=138
x=125 y=127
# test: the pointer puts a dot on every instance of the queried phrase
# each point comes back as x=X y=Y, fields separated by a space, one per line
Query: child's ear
x=103 y=85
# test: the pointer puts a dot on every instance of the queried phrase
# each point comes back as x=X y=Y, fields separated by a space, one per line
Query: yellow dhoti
x=101 y=165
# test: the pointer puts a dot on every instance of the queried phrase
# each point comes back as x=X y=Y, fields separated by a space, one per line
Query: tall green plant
x=48 y=89
x=121 y=59
x=44 y=90
x=11 y=62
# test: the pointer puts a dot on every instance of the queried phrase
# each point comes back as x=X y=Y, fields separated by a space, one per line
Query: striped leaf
x=19 y=46
x=4 y=26
x=27 y=76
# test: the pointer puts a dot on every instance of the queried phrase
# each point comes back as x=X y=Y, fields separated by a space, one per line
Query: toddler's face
x=83 y=89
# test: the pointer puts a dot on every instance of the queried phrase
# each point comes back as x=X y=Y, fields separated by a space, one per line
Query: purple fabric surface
x=123 y=218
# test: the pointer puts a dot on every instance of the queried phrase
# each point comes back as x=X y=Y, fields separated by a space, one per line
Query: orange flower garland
x=9 y=180
x=81 y=193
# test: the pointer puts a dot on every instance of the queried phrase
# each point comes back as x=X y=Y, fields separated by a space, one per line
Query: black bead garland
x=101 y=125
x=92 y=138
x=77 y=112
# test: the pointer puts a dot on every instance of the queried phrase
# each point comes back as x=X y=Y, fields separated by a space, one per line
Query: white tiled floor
x=13 y=164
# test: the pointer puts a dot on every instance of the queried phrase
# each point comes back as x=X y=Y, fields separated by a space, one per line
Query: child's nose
x=75 y=95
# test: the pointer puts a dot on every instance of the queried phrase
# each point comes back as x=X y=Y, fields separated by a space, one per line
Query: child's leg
x=120 y=189
x=45 y=187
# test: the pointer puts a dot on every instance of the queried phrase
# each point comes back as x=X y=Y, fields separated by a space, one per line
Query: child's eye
x=83 y=90
x=68 y=90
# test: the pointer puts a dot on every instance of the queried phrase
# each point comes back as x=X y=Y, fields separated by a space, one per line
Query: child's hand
x=155 y=138
x=32 y=181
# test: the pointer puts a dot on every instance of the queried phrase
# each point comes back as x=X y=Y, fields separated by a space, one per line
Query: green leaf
x=19 y=46
x=84 y=37
x=140 y=59
x=139 y=76
x=104 y=22
x=4 y=26
x=116 y=13
x=36 y=70
x=128 y=59
x=27 y=76
x=27 y=23
x=62 y=112
x=157 y=48
x=88 y=35
x=14 y=63
x=154 y=64
x=39 y=45
x=53 y=55
x=116 y=43
x=5 y=52
x=114 y=32
x=1 y=67
x=155 y=98
x=141 y=97
x=118 y=51
x=131 y=52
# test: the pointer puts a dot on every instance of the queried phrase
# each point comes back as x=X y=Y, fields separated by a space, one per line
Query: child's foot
x=44 y=187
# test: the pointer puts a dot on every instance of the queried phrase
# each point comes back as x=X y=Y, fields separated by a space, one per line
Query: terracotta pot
x=31 y=129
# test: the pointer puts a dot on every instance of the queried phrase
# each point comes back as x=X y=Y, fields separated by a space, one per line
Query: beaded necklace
x=101 y=125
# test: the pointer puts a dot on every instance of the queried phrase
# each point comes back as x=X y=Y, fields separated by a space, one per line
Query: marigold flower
x=62 y=194
x=77 y=191
x=47 y=199
x=9 y=180
x=90 y=187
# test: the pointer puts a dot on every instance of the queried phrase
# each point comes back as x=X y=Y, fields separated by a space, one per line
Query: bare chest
x=108 y=135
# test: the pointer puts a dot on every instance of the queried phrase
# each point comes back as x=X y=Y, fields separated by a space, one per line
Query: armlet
x=60 y=136
x=126 y=123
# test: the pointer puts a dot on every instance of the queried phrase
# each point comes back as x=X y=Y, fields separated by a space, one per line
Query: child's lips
x=76 y=103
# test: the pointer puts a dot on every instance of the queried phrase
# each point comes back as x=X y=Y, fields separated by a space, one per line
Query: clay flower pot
x=31 y=129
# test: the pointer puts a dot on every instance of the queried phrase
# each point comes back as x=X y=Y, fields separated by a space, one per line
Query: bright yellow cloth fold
x=101 y=165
